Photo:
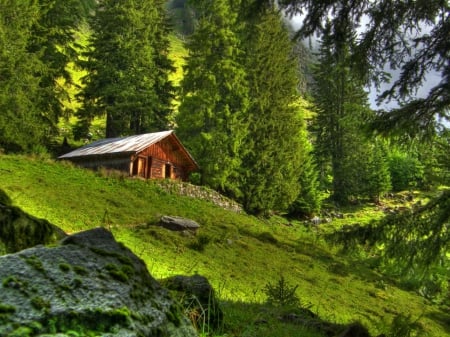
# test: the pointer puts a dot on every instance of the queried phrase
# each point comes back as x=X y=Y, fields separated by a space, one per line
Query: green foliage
x=413 y=242
x=282 y=294
x=200 y=243
x=53 y=41
x=275 y=144
x=267 y=237
x=386 y=43
x=404 y=326
x=21 y=124
x=130 y=86
x=214 y=96
x=378 y=176
x=405 y=169
x=236 y=262
x=22 y=331
x=309 y=200
x=342 y=112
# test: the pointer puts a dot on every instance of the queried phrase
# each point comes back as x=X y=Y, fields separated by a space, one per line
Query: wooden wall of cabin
x=161 y=169
x=166 y=152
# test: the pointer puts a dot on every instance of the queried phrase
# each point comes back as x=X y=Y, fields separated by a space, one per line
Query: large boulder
x=176 y=223
x=19 y=230
x=88 y=285
x=198 y=299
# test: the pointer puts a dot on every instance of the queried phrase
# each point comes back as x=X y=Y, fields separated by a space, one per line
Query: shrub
x=406 y=171
x=281 y=294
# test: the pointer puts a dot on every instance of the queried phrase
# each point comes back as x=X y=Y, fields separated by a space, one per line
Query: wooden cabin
x=156 y=155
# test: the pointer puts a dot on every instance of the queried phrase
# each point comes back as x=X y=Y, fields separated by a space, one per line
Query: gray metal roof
x=131 y=144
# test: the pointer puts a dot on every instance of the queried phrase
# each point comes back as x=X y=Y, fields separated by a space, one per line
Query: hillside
x=239 y=254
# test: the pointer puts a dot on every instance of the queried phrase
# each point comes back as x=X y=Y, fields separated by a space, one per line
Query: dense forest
x=273 y=125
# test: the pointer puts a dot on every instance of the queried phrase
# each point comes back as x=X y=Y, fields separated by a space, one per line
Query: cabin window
x=167 y=171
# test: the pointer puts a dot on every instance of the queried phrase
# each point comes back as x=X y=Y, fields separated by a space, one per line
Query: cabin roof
x=126 y=145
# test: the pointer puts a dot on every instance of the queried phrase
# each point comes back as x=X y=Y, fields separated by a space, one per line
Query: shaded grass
x=240 y=253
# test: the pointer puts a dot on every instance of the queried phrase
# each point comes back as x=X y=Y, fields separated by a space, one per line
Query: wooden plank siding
x=150 y=156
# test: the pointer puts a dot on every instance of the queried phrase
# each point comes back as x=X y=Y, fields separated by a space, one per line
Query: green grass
x=240 y=254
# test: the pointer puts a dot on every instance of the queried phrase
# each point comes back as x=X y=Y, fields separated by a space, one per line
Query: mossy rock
x=19 y=230
x=4 y=199
x=114 y=295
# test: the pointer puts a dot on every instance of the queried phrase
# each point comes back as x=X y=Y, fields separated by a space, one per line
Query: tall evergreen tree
x=20 y=120
x=36 y=45
x=52 y=40
x=419 y=239
x=394 y=37
x=378 y=178
x=212 y=114
x=275 y=142
x=128 y=68
x=342 y=110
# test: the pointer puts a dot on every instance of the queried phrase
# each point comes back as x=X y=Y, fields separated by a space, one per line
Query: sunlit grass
x=242 y=254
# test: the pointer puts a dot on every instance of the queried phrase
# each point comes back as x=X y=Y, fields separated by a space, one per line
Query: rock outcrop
x=19 y=230
x=178 y=224
x=88 y=285
x=198 y=299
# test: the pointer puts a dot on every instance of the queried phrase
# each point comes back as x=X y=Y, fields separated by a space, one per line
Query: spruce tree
x=212 y=115
x=21 y=124
x=36 y=45
x=395 y=37
x=52 y=40
x=378 y=175
x=419 y=239
x=308 y=201
x=342 y=111
x=128 y=69
x=274 y=146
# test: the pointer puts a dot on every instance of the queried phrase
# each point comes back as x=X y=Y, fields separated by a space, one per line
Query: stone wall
x=200 y=192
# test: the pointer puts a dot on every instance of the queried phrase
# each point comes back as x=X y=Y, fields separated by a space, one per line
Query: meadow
x=240 y=254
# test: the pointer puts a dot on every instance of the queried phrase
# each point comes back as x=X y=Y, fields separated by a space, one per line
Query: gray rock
x=197 y=296
x=89 y=284
x=176 y=223
x=19 y=230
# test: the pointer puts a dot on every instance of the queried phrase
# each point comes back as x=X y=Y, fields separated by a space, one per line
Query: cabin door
x=167 y=171
x=141 y=167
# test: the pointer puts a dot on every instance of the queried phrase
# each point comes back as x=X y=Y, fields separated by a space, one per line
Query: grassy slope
x=240 y=258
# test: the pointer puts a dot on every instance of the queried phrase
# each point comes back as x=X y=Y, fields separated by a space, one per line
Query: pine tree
x=52 y=40
x=36 y=45
x=387 y=42
x=212 y=113
x=275 y=144
x=308 y=201
x=21 y=125
x=342 y=110
x=128 y=69
x=378 y=175
x=418 y=239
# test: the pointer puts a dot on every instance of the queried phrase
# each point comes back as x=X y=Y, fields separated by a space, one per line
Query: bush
x=406 y=171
